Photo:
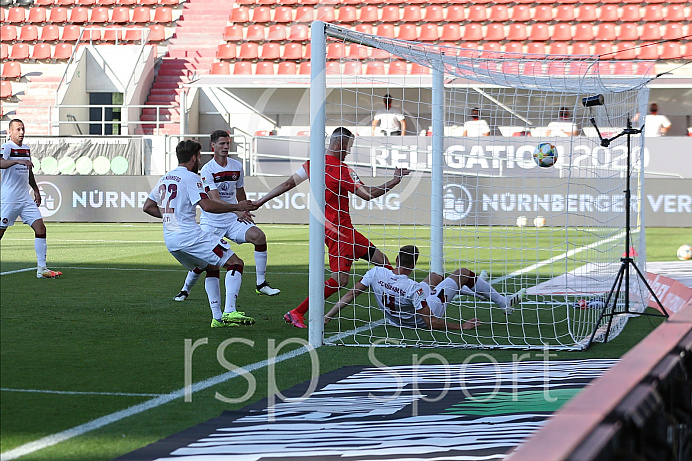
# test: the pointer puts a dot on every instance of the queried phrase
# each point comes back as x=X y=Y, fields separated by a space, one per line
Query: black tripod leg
x=622 y=272
x=618 y=279
x=648 y=287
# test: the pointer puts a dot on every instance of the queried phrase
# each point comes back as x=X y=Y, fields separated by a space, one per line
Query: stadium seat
x=675 y=13
x=581 y=48
x=384 y=30
x=233 y=34
x=347 y=14
x=157 y=33
x=543 y=13
x=293 y=51
x=105 y=3
x=418 y=69
x=375 y=68
x=455 y=13
x=99 y=15
x=510 y=67
x=264 y=68
x=240 y=15
x=248 y=51
x=353 y=68
x=429 y=33
x=220 y=68
x=492 y=46
x=565 y=13
x=11 y=70
x=398 y=68
x=19 y=52
x=132 y=35
x=8 y=33
x=604 y=50
x=473 y=32
x=242 y=68
x=65 y=3
x=120 y=15
x=333 y=67
x=369 y=14
x=687 y=50
x=283 y=15
x=16 y=15
x=277 y=33
x=85 y=3
x=149 y=3
x=561 y=32
x=261 y=15
x=390 y=13
x=287 y=68
x=653 y=13
x=336 y=50
x=41 y=52
x=477 y=13
x=79 y=15
x=609 y=13
x=533 y=68
x=4 y=51
x=58 y=15
x=254 y=32
x=299 y=33
x=45 y=3
x=499 y=13
x=451 y=32
x=536 y=48
x=5 y=89
x=648 y=51
x=583 y=32
x=171 y=3
x=307 y=51
x=128 y=3
x=626 y=50
x=304 y=68
x=112 y=34
x=356 y=51
x=494 y=32
x=226 y=51
x=558 y=48
x=673 y=31
x=517 y=33
x=539 y=33
x=70 y=33
x=28 y=33
x=141 y=15
x=651 y=32
x=305 y=14
x=408 y=32
x=630 y=13
x=587 y=13
x=163 y=15
x=521 y=13
x=628 y=32
x=326 y=14
x=606 y=31
x=434 y=13
x=412 y=13
x=37 y=15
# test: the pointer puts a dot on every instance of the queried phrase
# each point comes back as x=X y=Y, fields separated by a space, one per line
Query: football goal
x=467 y=123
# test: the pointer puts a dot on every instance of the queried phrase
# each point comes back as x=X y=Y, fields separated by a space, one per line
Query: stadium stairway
x=39 y=94
x=191 y=51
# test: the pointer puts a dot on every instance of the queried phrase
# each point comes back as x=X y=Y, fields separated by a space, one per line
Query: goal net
x=476 y=198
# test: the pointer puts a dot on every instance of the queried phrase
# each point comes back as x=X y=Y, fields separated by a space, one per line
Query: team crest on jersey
x=199 y=185
x=419 y=292
x=224 y=187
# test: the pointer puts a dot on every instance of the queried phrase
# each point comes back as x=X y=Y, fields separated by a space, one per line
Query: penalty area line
x=44 y=391
x=162 y=399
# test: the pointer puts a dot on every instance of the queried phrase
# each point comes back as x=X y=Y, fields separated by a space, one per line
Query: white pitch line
x=162 y=399
x=43 y=391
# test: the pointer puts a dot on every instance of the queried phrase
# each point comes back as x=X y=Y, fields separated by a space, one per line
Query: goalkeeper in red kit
x=344 y=243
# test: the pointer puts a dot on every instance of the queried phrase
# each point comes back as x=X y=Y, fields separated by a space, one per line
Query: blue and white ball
x=685 y=252
x=545 y=155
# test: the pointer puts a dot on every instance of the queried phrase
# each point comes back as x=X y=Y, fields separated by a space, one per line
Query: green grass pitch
x=108 y=335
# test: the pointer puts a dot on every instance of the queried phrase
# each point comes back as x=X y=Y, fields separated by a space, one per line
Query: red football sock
x=331 y=286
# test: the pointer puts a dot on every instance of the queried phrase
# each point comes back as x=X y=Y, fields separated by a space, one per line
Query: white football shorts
x=449 y=287
x=27 y=210
x=235 y=231
x=207 y=250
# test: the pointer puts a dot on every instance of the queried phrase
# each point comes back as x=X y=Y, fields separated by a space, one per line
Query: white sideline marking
x=162 y=399
x=43 y=391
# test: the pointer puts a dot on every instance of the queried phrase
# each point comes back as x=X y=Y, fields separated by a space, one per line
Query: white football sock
x=483 y=288
x=233 y=279
x=260 y=266
x=190 y=280
x=213 y=289
x=41 y=248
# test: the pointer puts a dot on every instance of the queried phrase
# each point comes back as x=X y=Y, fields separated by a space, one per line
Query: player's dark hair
x=408 y=256
x=187 y=149
x=219 y=134
x=563 y=112
x=13 y=121
x=341 y=132
x=653 y=108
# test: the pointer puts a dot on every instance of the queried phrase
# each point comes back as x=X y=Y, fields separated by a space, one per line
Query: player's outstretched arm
x=284 y=187
x=371 y=192
x=219 y=206
x=436 y=323
x=345 y=301
x=152 y=208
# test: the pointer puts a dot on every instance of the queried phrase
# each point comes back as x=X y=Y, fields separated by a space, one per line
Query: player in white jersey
x=174 y=199
x=15 y=198
x=412 y=304
x=223 y=179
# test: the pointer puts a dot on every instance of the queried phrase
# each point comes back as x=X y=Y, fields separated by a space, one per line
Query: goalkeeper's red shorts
x=345 y=247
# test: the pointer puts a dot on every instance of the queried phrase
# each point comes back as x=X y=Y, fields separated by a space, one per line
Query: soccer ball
x=539 y=221
x=522 y=221
x=685 y=252
x=545 y=155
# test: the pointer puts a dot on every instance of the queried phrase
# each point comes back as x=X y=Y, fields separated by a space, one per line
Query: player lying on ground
x=175 y=199
x=407 y=303
x=344 y=243
x=223 y=179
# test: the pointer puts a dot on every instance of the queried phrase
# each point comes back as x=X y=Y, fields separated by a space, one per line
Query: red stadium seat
x=333 y=67
x=398 y=68
x=604 y=50
x=150 y=3
x=120 y=15
x=16 y=15
x=499 y=13
x=418 y=69
x=451 y=32
x=353 y=68
x=58 y=15
x=283 y=15
x=369 y=14
x=41 y=52
x=336 y=50
x=254 y=32
x=240 y=15
x=429 y=33
x=79 y=15
x=412 y=13
x=356 y=51
x=521 y=13
x=609 y=13
x=587 y=13
x=347 y=14
x=157 y=33
x=369 y=29
x=558 y=48
x=293 y=51
x=304 y=68
x=495 y=32
x=375 y=68
x=37 y=15
x=99 y=15
x=326 y=14
x=105 y=3
x=687 y=51
x=408 y=32
x=651 y=32
x=91 y=33
x=581 y=48
x=132 y=35
x=517 y=33
x=630 y=13
x=455 y=13
x=45 y=3
x=11 y=70
x=264 y=68
x=233 y=34
x=628 y=32
x=299 y=33
x=4 y=51
x=492 y=46
x=64 y=2
x=277 y=33
x=69 y=33
x=514 y=47
x=163 y=15
x=473 y=32
x=584 y=32
x=19 y=52
x=675 y=13
x=242 y=68
x=248 y=51
x=536 y=48
x=385 y=30
x=5 y=89
x=648 y=51
x=89 y=3
x=477 y=13
x=28 y=33
x=50 y=33
x=561 y=32
x=220 y=68
x=226 y=51
x=653 y=13
x=390 y=13
x=287 y=68
x=626 y=50
x=141 y=15
x=539 y=33
x=673 y=31
x=261 y=15
x=565 y=13
x=543 y=13
x=112 y=34
x=305 y=14
x=434 y=14
x=606 y=31
x=307 y=51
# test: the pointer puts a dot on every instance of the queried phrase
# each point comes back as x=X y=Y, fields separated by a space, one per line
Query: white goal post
x=476 y=198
